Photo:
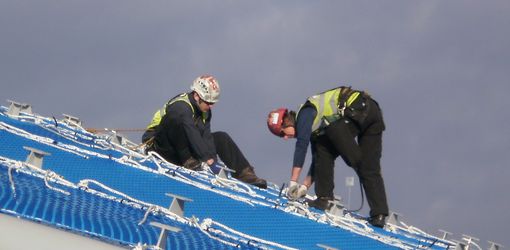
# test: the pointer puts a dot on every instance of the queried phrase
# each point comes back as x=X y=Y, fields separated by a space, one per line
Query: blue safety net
x=245 y=217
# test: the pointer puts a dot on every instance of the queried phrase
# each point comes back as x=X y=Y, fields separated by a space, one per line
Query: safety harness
x=149 y=134
x=335 y=104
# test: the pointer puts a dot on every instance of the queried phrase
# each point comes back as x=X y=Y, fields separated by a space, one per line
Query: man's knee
x=353 y=159
x=221 y=137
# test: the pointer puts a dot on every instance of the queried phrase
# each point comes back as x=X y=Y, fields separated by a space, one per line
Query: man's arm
x=183 y=112
x=303 y=133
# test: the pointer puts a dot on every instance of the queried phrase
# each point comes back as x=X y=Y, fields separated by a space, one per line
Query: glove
x=296 y=191
x=215 y=167
x=292 y=187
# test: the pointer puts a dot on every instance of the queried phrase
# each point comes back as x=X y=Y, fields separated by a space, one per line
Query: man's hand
x=210 y=161
x=296 y=191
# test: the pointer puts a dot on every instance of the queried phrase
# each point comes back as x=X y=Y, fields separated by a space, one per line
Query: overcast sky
x=439 y=69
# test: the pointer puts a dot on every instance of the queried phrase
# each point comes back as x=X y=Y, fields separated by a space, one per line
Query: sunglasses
x=208 y=103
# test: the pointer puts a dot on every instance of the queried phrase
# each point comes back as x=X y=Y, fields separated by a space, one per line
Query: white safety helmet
x=207 y=88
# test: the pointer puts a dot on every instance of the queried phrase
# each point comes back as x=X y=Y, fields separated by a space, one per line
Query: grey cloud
x=438 y=69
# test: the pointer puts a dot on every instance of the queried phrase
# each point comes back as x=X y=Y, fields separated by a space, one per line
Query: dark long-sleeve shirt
x=303 y=134
x=197 y=130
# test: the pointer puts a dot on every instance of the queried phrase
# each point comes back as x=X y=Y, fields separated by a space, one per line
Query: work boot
x=248 y=176
x=192 y=164
x=321 y=203
x=377 y=221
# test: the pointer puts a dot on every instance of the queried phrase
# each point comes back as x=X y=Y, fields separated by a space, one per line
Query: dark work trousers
x=174 y=146
x=363 y=155
x=229 y=152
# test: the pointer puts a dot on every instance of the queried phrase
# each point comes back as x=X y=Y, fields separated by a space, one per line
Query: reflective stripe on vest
x=351 y=98
x=156 y=119
x=327 y=106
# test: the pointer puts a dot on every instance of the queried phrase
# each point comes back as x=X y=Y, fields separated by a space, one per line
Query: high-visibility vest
x=330 y=105
x=156 y=118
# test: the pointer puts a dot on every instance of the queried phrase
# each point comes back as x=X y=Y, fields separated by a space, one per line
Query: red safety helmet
x=275 y=121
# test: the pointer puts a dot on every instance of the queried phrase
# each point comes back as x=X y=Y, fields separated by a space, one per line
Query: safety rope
x=170 y=170
x=346 y=222
x=83 y=153
x=47 y=175
x=413 y=232
x=207 y=231
x=11 y=181
x=85 y=184
x=164 y=171
x=97 y=130
x=149 y=210
x=209 y=222
x=125 y=159
x=44 y=140
x=233 y=184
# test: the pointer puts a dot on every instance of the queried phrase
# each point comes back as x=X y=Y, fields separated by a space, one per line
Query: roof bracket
x=460 y=246
x=494 y=246
x=16 y=108
x=336 y=209
x=35 y=157
x=393 y=219
x=71 y=120
x=117 y=139
x=177 y=205
x=164 y=233
x=445 y=234
x=223 y=172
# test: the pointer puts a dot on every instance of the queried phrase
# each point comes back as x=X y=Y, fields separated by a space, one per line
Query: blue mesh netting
x=91 y=214
x=259 y=221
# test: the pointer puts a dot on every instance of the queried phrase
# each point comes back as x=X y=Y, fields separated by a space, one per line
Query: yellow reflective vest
x=329 y=107
x=156 y=118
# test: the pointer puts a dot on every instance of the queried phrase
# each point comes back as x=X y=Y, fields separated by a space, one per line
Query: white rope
x=299 y=209
x=85 y=184
x=150 y=209
x=413 y=232
x=349 y=223
x=471 y=242
x=127 y=160
x=205 y=230
x=346 y=222
x=246 y=236
x=44 y=140
x=72 y=135
x=234 y=185
x=49 y=175
x=69 y=132
x=182 y=178
x=158 y=160
x=360 y=227
x=126 y=150
x=13 y=188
